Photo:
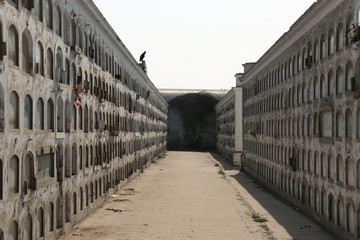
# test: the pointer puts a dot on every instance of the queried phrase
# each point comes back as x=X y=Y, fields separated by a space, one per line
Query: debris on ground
x=121 y=200
x=116 y=210
x=129 y=191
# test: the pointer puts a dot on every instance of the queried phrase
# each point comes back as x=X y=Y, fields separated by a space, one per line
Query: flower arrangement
x=79 y=92
x=353 y=33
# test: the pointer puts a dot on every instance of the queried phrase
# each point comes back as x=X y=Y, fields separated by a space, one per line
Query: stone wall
x=301 y=117
x=78 y=116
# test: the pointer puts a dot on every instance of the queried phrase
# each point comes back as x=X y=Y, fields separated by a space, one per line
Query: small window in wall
x=339 y=169
x=49 y=64
x=13 y=175
x=27 y=228
x=40 y=114
x=14 y=231
x=80 y=112
x=350 y=80
x=41 y=223
x=28 y=113
x=358 y=124
x=50 y=115
x=330 y=83
x=51 y=217
x=351 y=219
x=39 y=10
x=60 y=115
x=60 y=75
x=74 y=204
x=322 y=47
x=74 y=113
x=323 y=165
x=339 y=124
x=48 y=14
x=331 y=167
x=67 y=116
x=331 y=208
x=326 y=124
x=39 y=65
x=348 y=124
x=1 y=181
x=27 y=52
x=331 y=42
x=13 y=46
x=13 y=113
x=340 y=213
x=339 y=81
x=316 y=51
x=349 y=168
x=29 y=178
x=67 y=72
x=339 y=37
x=81 y=201
x=322 y=86
x=80 y=157
x=74 y=159
x=58 y=21
x=357 y=174
x=45 y=166
x=316 y=88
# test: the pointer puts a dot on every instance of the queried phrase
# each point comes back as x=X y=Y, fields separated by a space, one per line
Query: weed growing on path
x=257 y=218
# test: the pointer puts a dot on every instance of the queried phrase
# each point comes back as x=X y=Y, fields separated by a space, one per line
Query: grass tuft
x=257 y=218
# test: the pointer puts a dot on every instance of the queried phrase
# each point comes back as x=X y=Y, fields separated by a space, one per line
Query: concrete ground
x=187 y=195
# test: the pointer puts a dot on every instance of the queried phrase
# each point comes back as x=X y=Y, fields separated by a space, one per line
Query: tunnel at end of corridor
x=192 y=122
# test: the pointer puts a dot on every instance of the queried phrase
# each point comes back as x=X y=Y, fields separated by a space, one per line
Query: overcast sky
x=200 y=44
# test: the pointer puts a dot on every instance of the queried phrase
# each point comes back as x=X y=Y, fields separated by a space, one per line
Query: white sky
x=200 y=44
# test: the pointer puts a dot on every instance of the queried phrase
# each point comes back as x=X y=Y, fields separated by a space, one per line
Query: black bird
x=142 y=56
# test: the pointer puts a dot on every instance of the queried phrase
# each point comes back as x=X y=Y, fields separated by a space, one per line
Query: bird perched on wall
x=142 y=56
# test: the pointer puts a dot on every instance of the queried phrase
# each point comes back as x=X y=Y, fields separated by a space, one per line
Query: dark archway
x=192 y=122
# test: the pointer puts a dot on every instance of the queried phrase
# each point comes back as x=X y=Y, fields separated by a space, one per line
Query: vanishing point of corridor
x=191 y=195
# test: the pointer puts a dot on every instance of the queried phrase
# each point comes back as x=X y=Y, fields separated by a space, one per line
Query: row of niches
x=226 y=118
x=326 y=43
x=225 y=108
x=59 y=210
x=33 y=59
x=28 y=115
x=326 y=124
x=325 y=164
x=226 y=129
x=225 y=142
x=71 y=160
x=328 y=86
x=87 y=85
x=329 y=204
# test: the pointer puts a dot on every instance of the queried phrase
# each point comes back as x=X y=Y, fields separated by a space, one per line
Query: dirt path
x=182 y=196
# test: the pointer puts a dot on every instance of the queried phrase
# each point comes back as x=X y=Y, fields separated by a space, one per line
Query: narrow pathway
x=184 y=196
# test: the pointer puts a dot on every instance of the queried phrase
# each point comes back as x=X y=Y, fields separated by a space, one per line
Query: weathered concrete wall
x=78 y=116
x=229 y=136
x=300 y=104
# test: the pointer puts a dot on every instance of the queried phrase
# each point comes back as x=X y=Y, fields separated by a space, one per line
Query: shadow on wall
x=192 y=122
